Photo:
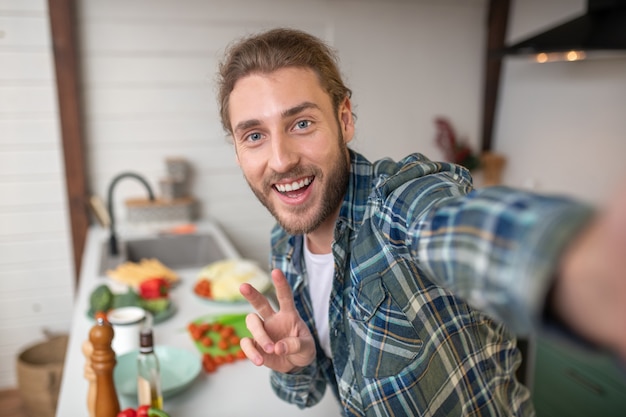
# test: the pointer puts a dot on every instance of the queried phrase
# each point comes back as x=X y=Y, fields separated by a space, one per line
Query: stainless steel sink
x=174 y=251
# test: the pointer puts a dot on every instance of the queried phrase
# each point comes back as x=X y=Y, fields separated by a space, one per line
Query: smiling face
x=291 y=146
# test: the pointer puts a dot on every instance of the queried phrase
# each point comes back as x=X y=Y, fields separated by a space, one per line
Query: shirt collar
x=359 y=188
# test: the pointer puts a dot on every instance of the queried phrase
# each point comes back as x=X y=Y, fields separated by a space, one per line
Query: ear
x=346 y=120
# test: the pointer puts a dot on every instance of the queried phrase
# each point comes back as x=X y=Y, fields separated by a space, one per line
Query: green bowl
x=179 y=368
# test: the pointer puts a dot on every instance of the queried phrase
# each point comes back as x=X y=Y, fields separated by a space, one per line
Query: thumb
x=288 y=346
x=297 y=351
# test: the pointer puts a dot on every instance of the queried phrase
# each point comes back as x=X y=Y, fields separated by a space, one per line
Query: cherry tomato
x=142 y=411
x=128 y=412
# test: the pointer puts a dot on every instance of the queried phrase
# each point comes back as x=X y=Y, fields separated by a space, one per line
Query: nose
x=285 y=153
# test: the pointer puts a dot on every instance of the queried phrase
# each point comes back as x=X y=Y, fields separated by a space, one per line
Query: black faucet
x=113 y=238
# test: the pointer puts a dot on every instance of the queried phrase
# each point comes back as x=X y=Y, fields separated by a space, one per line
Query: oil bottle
x=148 y=372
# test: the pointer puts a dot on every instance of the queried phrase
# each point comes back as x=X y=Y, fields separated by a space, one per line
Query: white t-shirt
x=321 y=270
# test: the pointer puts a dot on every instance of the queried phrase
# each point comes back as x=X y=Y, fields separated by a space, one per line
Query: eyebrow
x=247 y=124
x=299 y=109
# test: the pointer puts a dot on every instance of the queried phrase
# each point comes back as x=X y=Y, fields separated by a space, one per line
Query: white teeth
x=294 y=186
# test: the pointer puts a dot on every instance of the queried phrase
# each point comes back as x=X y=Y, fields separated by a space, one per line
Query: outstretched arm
x=589 y=293
x=502 y=250
x=280 y=339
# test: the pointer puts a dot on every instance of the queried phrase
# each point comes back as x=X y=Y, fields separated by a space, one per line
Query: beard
x=333 y=189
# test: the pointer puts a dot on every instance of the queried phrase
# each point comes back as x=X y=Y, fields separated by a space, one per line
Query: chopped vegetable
x=154 y=288
x=128 y=412
x=218 y=342
x=155 y=412
x=155 y=305
x=101 y=299
x=203 y=288
x=127 y=299
x=142 y=411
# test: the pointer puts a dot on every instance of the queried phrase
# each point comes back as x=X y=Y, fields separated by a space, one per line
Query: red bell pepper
x=154 y=288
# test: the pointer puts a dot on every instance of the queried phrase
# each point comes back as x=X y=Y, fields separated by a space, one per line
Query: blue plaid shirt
x=427 y=270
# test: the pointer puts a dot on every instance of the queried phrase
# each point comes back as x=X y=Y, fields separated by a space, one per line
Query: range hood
x=600 y=32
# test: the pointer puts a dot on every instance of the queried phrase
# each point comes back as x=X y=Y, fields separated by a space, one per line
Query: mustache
x=297 y=172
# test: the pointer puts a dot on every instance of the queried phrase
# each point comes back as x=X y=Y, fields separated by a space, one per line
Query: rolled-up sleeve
x=496 y=247
x=303 y=388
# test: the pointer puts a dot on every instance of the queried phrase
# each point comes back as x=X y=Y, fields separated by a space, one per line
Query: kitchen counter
x=238 y=389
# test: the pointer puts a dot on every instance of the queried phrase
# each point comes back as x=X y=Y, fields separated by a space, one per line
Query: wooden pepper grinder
x=103 y=361
x=90 y=376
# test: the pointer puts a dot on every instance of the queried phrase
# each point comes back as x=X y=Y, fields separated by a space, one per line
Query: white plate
x=226 y=276
x=179 y=368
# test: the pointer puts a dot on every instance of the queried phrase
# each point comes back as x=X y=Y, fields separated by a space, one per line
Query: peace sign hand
x=280 y=339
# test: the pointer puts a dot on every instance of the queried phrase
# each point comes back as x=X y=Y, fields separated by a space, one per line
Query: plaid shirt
x=426 y=271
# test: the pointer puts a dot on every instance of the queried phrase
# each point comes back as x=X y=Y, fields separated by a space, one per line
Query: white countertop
x=238 y=389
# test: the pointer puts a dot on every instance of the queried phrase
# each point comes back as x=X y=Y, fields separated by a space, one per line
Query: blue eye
x=253 y=137
x=303 y=124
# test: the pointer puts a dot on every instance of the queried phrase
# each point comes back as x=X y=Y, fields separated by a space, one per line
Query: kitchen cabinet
x=576 y=382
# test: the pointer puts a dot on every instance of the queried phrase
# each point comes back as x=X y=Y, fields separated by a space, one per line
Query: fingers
x=261 y=350
x=299 y=351
x=248 y=347
x=259 y=345
x=284 y=293
x=261 y=304
x=257 y=300
x=288 y=345
x=288 y=348
x=259 y=334
x=280 y=339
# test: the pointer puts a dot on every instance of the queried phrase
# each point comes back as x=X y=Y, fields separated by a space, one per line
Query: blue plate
x=179 y=368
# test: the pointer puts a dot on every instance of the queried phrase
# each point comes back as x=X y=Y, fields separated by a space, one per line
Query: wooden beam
x=64 y=43
x=497 y=22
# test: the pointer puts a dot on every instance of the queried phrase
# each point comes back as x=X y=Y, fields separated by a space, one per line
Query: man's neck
x=320 y=240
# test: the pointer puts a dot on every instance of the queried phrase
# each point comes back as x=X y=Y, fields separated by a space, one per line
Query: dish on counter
x=217 y=338
x=205 y=326
x=219 y=281
x=157 y=317
x=179 y=368
x=105 y=297
x=133 y=273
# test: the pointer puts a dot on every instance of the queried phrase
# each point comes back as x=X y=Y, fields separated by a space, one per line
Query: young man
x=395 y=280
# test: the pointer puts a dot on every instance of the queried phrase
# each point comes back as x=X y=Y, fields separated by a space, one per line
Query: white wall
x=36 y=269
x=561 y=125
x=149 y=68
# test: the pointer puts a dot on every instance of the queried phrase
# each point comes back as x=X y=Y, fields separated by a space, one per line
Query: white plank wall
x=149 y=70
x=36 y=270
x=149 y=94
